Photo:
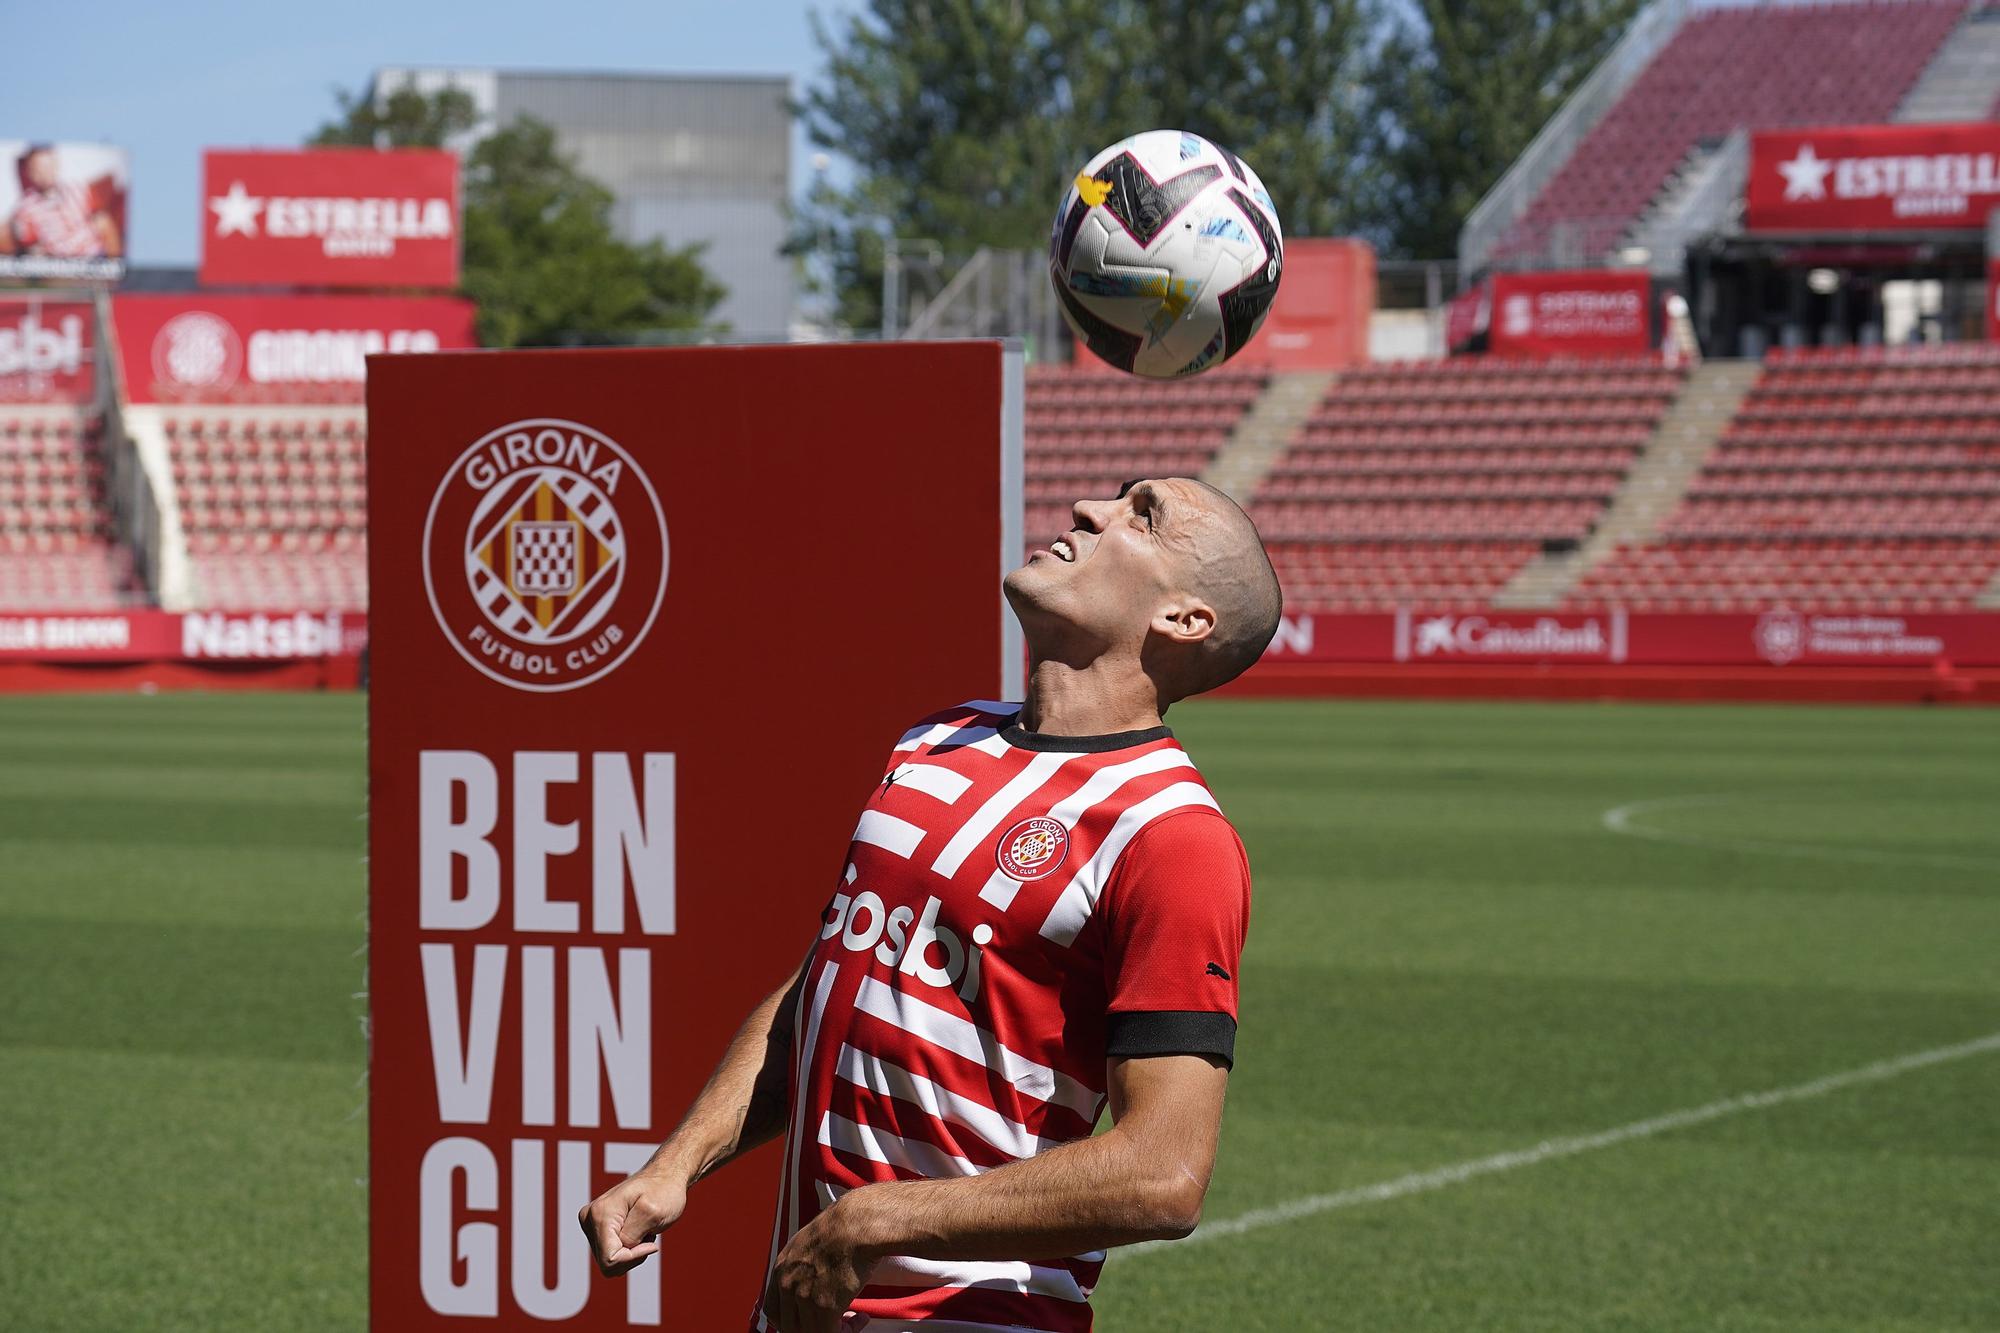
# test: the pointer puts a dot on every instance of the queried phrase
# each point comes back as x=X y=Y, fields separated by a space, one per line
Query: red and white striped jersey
x=1015 y=909
x=57 y=222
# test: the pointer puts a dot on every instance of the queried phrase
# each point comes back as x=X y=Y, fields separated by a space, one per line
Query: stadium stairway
x=1963 y=80
x=1685 y=438
x=1266 y=430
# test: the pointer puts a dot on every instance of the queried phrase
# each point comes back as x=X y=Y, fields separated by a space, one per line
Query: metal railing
x=1545 y=155
x=995 y=294
x=1711 y=206
x=135 y=508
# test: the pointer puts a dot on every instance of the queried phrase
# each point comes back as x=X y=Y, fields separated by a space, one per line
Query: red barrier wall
x=1779 y=655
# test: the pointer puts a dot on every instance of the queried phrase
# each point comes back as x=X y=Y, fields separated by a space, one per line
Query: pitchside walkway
x=1265 y=432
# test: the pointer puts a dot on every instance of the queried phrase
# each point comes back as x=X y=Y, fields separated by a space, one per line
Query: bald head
x=1231 y=572
x=1169 y=576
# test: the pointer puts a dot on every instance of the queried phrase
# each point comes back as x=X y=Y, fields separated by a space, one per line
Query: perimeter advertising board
x=644 y=623
x=273 y=349
x=47 y=351
x=62 y=211
x=1873 y=178
x=1779 y=637
x=330 y=217
x=1589 y=312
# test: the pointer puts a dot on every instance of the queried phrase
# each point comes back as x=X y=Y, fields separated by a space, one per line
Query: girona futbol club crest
x=1032 y=848
x=545 y=554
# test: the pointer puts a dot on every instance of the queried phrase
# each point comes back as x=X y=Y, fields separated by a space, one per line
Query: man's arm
x=1144 y=1179
x=742 y=1106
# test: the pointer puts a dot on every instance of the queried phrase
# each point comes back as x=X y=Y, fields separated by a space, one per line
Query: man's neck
x=1100 y=699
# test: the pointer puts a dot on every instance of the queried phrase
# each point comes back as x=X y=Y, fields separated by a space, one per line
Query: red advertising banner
x=62 y=211
x=1319 y=319
x=1873 y=178
x=1776 y=638
x=646 y=623
x=260 y=349
x=1594 y=312
x=170 y=636
x=47 y=351
x=330 y=217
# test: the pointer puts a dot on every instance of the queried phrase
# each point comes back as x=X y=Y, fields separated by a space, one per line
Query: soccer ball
x=1166 y=254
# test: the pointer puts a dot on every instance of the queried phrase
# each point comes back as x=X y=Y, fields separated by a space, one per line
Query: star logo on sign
x=236 y=211
x=1805 y=175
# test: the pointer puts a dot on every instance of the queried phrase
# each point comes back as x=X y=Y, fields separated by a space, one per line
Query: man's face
x=1119 y=566
x=42 y=171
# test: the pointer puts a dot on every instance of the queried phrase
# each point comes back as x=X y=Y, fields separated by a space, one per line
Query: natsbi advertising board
x=1874 y=178
x=330 y=217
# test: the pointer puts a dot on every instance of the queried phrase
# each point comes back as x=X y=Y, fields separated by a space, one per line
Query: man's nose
x=1090 y=514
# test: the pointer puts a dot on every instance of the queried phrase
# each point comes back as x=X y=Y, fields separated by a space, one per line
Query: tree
x=965 y=119
x=543 y=263
x=1456 y=91
x=540 y=256
x=406 y=118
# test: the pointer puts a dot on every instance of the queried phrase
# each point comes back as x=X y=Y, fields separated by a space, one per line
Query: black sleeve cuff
x=1172 y=1032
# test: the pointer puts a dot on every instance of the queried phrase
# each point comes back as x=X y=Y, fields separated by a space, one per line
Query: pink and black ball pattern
x=1166 y=254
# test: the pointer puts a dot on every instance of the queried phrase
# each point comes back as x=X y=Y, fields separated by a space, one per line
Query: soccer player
x=1042 y=911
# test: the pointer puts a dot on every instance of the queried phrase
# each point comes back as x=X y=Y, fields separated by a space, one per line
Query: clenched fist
x=623 y=1222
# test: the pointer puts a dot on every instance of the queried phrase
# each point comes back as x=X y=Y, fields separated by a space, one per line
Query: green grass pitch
x=1451 y=957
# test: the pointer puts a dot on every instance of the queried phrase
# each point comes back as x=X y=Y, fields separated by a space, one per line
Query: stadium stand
x=1089 y=433
x=1765 y=67
x=57 y=546
x=273 y=503
x=1849 y=480
x=1435 y=481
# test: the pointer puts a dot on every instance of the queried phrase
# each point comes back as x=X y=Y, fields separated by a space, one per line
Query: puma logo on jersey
x=1215 y=970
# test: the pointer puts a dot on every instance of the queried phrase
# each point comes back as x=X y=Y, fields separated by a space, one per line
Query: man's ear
x=1185 y=622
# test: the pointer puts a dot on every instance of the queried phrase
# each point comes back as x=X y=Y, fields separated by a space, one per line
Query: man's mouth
x=1062 y=550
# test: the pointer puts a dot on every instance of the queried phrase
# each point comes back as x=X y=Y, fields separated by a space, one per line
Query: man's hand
x=818 y=1274
x=621 y=1223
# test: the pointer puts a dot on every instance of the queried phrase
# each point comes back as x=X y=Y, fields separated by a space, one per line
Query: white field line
x=1624 y=819
x=1549 y=1150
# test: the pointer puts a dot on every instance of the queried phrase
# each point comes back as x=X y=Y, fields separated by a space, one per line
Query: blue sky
x=166 y=81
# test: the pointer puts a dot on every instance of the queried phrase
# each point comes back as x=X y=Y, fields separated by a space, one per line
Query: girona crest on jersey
x=545 y=554
x=1032 y=848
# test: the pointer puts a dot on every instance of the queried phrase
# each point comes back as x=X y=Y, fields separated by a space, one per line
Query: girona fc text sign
x=273 y=349
x=330 y=217
x=609 y=788
x=1874 y=178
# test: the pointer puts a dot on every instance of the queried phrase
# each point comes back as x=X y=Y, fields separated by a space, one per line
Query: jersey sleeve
x=1175 y=912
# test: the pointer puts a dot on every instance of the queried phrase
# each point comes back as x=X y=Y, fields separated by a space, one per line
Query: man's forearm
x=1084 y=1196
x=744 y=1102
